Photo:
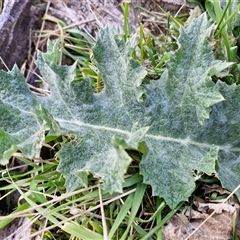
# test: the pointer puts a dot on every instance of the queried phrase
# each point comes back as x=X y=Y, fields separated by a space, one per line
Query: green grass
x=226 y=34
x=91 y=213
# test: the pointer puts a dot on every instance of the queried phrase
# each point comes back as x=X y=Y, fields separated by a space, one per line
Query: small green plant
x=128 y=114
x=226 y=15
x=119 y=140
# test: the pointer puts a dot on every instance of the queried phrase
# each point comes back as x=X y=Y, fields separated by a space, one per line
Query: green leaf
x=183 y=123
x=80 y=231
x=188 y=78
x=19 y=127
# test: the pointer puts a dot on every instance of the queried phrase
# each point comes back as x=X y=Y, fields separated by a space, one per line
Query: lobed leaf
x=183 y=123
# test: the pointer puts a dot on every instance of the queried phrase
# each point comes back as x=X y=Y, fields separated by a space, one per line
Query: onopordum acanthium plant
x=183 y=124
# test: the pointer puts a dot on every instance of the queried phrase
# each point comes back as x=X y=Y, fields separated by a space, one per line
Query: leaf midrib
x=185 y=142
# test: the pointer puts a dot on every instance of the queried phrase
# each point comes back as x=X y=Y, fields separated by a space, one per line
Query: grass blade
x=121 y=215
x=137 y=200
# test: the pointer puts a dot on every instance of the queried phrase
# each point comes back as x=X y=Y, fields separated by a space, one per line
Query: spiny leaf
x=179 y=123
x=20 y=128
x=190 y=69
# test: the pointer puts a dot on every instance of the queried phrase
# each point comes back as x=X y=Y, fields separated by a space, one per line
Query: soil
x=22 y=18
